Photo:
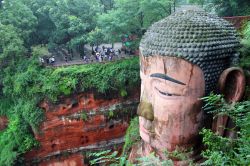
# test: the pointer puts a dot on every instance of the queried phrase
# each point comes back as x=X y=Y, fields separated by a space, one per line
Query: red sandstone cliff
x=79 y=124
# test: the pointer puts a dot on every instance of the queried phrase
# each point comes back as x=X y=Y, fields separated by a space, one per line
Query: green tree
x=222 y=150
x=45 y=26
x=17 y=14
x=73 y=20
x=107 y=5
x=95 y=37
x=245 y=49
x=132 y=17
x=225 y=7
x=11 y=45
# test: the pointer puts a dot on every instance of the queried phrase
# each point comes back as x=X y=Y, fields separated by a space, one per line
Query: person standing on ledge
x=183 y=58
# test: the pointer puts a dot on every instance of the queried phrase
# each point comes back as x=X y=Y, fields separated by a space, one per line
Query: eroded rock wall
x=81 y=123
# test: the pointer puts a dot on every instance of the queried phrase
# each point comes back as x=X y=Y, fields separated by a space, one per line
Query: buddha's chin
x=146 y=134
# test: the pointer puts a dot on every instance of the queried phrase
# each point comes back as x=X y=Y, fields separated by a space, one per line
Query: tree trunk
x=170 y=8
x=141 y=23
x=111 y=4
x=174 y=5
x=141 y=19
x=83 y=51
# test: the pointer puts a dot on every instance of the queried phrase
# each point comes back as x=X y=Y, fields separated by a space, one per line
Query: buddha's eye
x=165 y=89
x=165 y=93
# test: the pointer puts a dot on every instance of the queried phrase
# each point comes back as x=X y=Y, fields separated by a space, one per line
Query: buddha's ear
x=232 y=84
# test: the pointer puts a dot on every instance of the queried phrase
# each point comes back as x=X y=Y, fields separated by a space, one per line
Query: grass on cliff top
x=36 y=81
x=113 y=76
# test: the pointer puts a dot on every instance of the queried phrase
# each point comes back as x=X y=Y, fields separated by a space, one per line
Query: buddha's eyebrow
x=165 y=77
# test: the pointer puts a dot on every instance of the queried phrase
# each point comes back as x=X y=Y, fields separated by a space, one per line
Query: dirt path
x=60 y=61
x=81 y=62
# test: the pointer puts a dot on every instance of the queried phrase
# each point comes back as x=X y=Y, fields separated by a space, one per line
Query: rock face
x=79 y=124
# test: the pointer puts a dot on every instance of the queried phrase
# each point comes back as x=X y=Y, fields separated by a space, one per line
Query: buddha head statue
x=184 y=57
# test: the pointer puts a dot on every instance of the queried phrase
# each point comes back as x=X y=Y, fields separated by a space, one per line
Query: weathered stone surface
x=82 y=123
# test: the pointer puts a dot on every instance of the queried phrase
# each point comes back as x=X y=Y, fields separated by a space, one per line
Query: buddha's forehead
x=164 y=64
x=173 y=67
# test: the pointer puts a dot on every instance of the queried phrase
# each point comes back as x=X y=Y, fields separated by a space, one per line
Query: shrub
x=226 y=151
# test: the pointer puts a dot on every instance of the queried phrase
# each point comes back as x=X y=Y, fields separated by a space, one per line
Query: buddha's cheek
x=176 y=122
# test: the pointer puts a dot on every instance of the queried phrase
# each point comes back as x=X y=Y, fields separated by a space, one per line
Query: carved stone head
x=181 y=60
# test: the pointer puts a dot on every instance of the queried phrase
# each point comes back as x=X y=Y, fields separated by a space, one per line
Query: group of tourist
x=99 y=54
x=102 y=54
x=47 y=60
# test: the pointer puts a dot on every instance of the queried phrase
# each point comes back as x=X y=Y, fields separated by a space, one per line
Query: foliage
x=74 y=23
x=132 y=17
x=226 y=151
x=225 y=7
x=104 y=157
x=132 y=136
x=177 y=154
x=154 y=160
x=180 y=155
x=245 y=50
x=123 y=93
x=84 y=115
x=95 y=37
x=73 y=20
x=107 y=5
x=45 y=26
x=19 y=15
x=110 y=77
x=107 y=158
x=15 y=140
x=111 y=114
x=39 y=50
x=11 y=44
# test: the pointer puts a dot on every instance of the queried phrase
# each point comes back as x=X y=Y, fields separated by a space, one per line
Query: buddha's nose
x=145 y=110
